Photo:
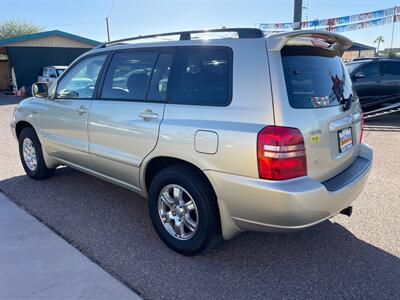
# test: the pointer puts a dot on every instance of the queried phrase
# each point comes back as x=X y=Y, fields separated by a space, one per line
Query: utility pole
x=298 y=10
x=391 y=42
x=108 y=30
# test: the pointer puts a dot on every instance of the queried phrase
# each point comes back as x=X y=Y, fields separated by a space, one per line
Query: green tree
x=12 y=28
x=379 y=40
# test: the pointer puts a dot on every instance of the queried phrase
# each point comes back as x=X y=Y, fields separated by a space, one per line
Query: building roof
x=358 y=46
x=21 y=38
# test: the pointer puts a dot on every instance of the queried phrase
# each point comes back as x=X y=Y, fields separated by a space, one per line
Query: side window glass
x=79 y=83
x=200 y=77
x=128 y=75
x=159 y=80
x=391 y=68
x=370 y=70
x=52 y=73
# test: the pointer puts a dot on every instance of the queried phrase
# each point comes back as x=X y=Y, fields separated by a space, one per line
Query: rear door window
x=315 y=77
x=201 y=76
x=128 y=75
x=159 y=79
x=391 y=68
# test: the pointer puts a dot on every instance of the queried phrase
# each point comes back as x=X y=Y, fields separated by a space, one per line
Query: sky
x=131 y=17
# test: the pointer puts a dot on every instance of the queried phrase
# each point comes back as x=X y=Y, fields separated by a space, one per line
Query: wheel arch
x=21 y=125
x=156 y=164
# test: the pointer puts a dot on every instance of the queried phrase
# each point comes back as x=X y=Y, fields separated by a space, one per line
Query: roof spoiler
x=338 y=43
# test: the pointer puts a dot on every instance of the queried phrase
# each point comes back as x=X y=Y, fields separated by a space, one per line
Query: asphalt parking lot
x=355 y=257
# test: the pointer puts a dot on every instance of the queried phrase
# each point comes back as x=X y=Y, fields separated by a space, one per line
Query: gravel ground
x=355 y=257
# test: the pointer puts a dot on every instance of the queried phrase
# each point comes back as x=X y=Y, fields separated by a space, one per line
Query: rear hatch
x=312 y=91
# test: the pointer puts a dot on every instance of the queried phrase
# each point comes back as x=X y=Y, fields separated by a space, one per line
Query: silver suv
x=223 y=131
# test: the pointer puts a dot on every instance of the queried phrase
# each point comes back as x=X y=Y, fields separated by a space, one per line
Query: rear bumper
x=251 y=204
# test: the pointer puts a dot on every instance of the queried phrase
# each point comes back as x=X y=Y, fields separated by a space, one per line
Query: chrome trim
x=283 y=148
x=284 y=154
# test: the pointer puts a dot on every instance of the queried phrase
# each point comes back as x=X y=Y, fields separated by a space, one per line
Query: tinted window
x=352 y=66
x=80 y=81
x=315 y=77
x=128 y=75
x=60 y=71
x=159 y=80
x=52 y=73
x=369 y=70
x=200 y=76
x=391 y=68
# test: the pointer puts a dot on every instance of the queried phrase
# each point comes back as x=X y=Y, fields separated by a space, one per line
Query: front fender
x=28 y=111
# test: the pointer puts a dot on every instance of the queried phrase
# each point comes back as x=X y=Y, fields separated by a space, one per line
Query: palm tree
x=379 y=40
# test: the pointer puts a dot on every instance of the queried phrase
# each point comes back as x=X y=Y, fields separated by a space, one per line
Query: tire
x=40 y=171
x=193 y=186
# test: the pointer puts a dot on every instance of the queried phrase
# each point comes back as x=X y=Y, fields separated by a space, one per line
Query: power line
x=111 y=7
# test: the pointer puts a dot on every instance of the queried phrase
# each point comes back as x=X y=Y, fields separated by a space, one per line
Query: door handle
x=81 y=110
x=148 y=115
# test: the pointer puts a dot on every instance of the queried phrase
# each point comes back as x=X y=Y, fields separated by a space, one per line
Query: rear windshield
x=315 y=77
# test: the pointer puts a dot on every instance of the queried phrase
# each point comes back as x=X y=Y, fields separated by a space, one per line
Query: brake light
x=362 y=127
x=281 y=153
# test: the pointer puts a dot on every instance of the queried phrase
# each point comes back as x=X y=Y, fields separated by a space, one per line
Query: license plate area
x=345 y=139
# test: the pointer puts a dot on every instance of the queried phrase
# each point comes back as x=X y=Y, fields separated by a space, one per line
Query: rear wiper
x=346 y=102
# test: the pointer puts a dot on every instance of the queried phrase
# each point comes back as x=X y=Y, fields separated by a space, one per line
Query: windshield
x=315 y=77
x=352 y=66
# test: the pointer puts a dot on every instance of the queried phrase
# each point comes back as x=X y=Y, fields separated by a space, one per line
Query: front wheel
x=183 y=210
x=30 y=152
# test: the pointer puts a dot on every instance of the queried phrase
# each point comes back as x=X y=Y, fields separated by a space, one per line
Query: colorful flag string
x=341 y=24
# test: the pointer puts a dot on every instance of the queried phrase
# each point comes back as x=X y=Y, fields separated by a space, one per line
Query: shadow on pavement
x=387 y=123
x=10 y=100
x=111 y=225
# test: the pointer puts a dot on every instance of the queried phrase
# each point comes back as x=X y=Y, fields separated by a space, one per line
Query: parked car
x=50 y=74
x=220 y=135
x=376 y=81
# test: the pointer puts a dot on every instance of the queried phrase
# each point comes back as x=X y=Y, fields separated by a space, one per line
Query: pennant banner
x=349 y=19
x=361 y=25
x=278 y=26
x=359 y=21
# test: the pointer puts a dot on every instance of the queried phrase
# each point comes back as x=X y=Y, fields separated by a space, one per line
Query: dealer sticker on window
x=345 y=139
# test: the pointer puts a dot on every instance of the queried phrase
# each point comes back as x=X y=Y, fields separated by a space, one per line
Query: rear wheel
x=183 y=210
x=30 y=151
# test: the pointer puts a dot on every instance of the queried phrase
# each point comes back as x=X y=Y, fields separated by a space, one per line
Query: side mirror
x=358 y=76
x=53 y=76
x=40 y=90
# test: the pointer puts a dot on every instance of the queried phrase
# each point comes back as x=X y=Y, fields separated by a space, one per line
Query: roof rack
x=243 y=33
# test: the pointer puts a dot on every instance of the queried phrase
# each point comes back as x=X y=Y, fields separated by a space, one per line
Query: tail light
x=362 y=127
x=281 y=153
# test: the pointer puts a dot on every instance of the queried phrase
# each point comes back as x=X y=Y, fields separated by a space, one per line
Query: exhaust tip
x=348 y=211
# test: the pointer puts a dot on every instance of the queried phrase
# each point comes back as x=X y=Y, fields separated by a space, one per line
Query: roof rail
x=243 y=33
